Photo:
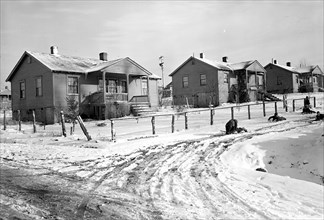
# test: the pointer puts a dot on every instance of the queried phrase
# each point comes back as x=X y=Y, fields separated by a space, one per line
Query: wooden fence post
x=276 y=109
x=249 y=112
x=112 y=130
x=186 y=121
x=264 y=111
x=19 y=121
x=83 y=128
x=211 y=116
x=232 y=112
x=34 y=122
x=172 y=124
x=153 y=125
x=4 y=120
x=63 y=124
x=314 y=102
x=293 y=105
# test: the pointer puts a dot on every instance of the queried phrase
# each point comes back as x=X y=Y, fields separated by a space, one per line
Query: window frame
x=123 y=89
x=39 y=93
x=144 y=81
x=68 y=85
x=203 y=82
x=109 y=87
x=225 y=77
x=20 y=89
x=183 y=81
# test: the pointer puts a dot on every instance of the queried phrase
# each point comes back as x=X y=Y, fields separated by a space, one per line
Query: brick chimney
x=54 y=50
x=288 y=64
x=202 y=55
x=274 y=61
x=225 y=59
x=103 y=56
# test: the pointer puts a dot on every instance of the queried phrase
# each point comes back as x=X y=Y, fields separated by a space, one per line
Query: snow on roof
x=241 y=65
x=58 y=62
x=218 y=65
x=300 y=70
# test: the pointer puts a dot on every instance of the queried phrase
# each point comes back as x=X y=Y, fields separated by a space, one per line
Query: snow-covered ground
x=198 y=173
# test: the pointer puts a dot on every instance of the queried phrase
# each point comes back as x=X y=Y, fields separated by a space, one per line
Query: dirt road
x=178 y=181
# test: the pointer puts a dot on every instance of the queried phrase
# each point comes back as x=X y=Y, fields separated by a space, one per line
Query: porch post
x=148 y=90
x=104 y=87
x=127 y=85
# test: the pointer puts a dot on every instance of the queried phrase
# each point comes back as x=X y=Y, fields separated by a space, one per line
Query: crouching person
x=319 y=116
x=231 y=127
x=276 y=117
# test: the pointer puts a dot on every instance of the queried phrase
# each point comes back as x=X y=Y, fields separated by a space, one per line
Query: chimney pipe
x=225 y=59
x=54 y=50
x=274 y=61
x=202 y=55
x=103 y=56
x=288 y=64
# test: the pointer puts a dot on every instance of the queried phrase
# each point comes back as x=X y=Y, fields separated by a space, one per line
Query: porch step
x=141 y=108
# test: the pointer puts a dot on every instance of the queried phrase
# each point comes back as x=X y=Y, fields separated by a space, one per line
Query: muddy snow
x=198 y=173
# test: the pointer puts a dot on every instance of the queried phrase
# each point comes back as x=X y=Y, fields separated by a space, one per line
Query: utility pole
x=161 y=65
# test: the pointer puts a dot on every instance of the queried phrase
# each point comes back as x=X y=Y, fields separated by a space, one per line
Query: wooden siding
x=280 y=80
x=195 y=93
x=28 y=71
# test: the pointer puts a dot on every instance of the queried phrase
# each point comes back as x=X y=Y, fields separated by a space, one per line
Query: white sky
x=144 y=30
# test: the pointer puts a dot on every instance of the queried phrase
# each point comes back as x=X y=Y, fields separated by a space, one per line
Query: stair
x=270 y=97
x=141 y=108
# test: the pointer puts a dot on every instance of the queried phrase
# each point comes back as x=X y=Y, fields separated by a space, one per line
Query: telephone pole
x=161 y=65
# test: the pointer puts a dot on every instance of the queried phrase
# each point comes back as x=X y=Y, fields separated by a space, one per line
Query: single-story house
x=287 y=79
x=201 y=82
x=103 y=88
x=5 y=98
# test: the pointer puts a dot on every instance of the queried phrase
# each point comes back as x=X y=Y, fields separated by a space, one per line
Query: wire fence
x=168 y=122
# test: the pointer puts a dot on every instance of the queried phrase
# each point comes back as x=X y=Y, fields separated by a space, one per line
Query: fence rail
x=191 y=118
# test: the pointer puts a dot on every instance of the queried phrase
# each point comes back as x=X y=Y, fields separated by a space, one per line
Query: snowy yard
x=198 y=173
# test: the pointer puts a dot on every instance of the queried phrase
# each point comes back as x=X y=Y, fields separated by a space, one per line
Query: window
x=100 y=85
x=297 y=80
x=185 y=81
x=39 y=91
x=260 y=80
x=73 y=85
x=144 y=86
x=22 y=89
x=203 y=81
x=123 y=86
x=225 y=77
x=112 y=86
x=314 y=79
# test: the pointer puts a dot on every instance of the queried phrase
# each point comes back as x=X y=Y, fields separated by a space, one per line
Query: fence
x=172 y=122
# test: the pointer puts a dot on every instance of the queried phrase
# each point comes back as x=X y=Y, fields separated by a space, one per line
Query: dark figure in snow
x=307 y=110
x=319 y=116
x=231 y=127
x=276 y=117
x=306 y=102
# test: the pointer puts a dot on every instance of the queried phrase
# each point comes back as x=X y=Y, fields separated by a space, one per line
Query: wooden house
x=103 y=88
x=201 y=82
x=5 y=98
x=287 y=79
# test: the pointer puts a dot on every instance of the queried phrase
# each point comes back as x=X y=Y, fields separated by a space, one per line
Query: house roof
x=300 y=70
x=72 y=64
x=220 y=65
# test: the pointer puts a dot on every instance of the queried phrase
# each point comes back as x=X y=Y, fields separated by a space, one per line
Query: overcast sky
x=145 y=30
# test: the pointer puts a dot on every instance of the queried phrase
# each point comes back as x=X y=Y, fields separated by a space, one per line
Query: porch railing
x=116 y=97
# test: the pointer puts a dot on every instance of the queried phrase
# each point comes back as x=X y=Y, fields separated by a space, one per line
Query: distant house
x=201 y=82
x=287 y=79
x=5 y=98
x=104 y=89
